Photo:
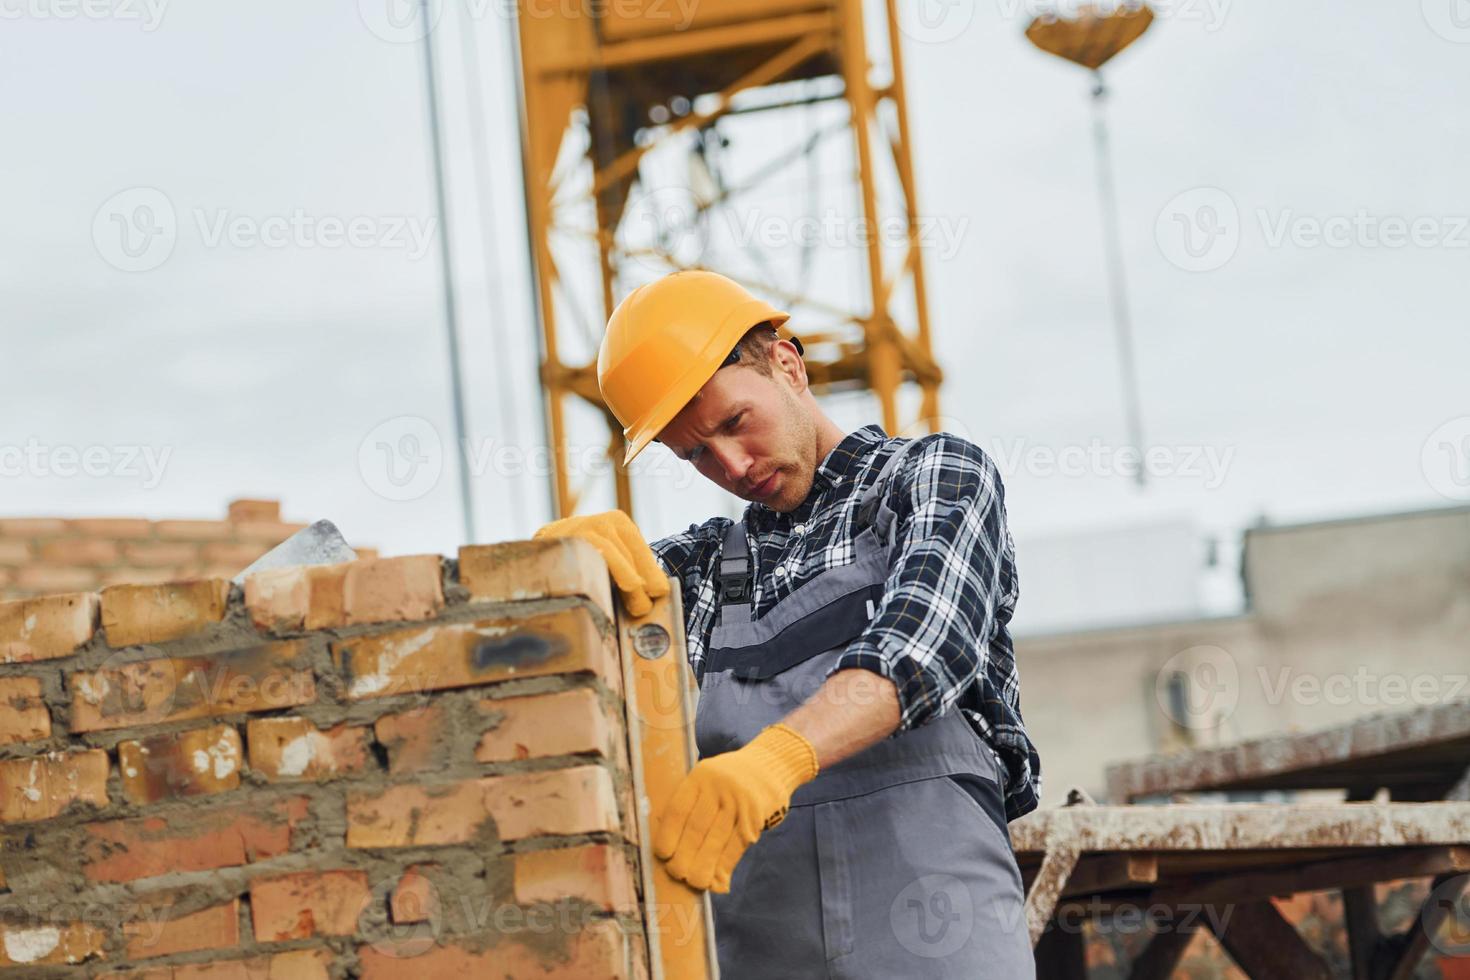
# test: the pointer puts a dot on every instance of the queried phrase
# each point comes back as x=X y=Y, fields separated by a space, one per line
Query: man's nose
x=730 y=459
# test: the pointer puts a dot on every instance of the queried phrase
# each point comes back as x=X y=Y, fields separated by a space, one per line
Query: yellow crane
x=609 y=90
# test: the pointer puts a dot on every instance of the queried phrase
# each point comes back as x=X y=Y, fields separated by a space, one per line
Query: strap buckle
x=735 y=580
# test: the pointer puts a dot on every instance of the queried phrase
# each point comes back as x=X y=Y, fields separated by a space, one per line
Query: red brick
x=416 y=739
x=546 y=724
x=523 y=570
x=193 y=530
x=255 y=510
x=31 y=527
x=312 y=903
x=14 y=553
x=596 y=873
x=559 y=801
x=415 y=899
x=200 y=839
x=152 y=935
x=46 y=628
x=192 y=763
x=293 y=748
x=47 y=580
x=41 y=787
x=24 y=944
x=158 y=613
x=324 y=596
x=160 y=554
x=23 y=714
x=483 y=652
x=80 y=551
x=599 y=951
x=297 y=964
x=111 y=527
x=145 y=576
x=146 y=692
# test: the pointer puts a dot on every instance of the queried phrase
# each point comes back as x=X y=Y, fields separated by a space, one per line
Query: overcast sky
x=1301 y=355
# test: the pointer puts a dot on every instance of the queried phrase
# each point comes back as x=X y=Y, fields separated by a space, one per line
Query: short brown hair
x=754 y=349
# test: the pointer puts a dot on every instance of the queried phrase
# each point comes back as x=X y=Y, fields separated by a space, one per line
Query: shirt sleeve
x=951 y=582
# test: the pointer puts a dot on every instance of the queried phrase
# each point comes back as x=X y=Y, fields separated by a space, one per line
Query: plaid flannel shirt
x=940 y=633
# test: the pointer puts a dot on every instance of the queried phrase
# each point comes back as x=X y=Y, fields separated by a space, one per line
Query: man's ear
x=789 y=363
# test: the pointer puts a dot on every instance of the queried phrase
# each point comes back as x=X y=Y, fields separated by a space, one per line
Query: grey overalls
x=892 y=864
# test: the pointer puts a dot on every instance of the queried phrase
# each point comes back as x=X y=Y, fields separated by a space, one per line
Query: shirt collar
x=845 y=457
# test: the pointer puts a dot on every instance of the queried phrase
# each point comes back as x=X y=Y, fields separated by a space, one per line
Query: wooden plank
x=1266 y=946
x=660 y=723
x=1360 y=916
x=1110 y=872
x=1041 y=900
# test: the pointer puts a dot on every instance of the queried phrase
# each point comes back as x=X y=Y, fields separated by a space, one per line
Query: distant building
x=1343 y=619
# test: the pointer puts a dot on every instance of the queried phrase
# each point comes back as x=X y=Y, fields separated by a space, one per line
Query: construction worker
x=859 y=727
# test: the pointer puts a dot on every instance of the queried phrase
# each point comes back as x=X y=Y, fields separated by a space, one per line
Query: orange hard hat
x=665 y=340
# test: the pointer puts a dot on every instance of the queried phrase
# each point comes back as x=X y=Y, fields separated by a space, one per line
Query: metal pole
x=1113 y=247
x=451 y=318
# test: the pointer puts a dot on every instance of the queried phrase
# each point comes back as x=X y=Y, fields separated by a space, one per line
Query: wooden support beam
x=1266 y=946
x=1360 y=915
x=1438 y=907
x=1061 y=953
x=1041 y=900
x=1161 y=955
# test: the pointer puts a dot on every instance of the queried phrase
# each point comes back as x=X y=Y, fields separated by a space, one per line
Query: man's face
x=750 y=433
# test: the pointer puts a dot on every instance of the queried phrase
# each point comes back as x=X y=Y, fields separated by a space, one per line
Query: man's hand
x=636 y=572
x=726 y=801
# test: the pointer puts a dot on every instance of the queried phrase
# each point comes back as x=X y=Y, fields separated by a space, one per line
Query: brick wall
x=400 y=767
x=46 y=555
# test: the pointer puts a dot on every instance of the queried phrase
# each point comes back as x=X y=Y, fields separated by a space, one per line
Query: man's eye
x=733 y=421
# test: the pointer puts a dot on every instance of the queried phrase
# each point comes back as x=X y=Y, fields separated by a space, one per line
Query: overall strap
x=870 y=508
x=735 y=583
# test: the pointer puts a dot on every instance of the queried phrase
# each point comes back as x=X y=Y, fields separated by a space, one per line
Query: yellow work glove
x=726 y=801
x=636 y=572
